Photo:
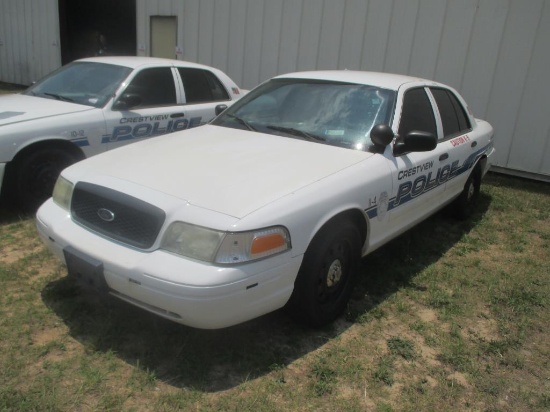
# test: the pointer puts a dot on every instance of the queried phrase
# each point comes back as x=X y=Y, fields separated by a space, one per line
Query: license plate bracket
x=86 y=270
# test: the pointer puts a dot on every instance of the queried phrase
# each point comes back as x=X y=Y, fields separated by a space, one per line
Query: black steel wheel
x=465 y=204
x=325 y=280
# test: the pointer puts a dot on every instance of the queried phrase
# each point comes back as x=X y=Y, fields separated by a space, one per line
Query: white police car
x=93 y=105
x=274 y=202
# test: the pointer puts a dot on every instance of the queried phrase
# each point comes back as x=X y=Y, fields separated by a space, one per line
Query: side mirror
x=127 y=101
x=381 y=135
x=220 y=108
x=415 y=141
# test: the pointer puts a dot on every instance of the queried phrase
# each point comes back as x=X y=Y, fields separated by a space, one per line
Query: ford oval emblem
x=106 y=214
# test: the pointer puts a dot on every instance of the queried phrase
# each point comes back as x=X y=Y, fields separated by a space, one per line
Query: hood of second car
x=225 y=170
x=16 y=108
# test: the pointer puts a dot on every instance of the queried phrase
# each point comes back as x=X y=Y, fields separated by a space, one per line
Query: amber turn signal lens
x=266 y=243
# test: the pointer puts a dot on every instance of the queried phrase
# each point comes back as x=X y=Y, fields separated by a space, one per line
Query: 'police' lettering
x=143 y=130
x=411 y=189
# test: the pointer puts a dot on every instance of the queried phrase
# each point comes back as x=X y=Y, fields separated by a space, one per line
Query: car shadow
x=10 y=215
x=216 y=360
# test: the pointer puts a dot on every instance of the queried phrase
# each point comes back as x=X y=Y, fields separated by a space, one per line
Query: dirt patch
x=457 y=378
x=427 y=315
x=14 y=253
x=18 y=244
x=483 y=328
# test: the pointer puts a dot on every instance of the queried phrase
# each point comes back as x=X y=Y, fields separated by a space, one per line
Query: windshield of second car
x=91 y=84
x=339 y=114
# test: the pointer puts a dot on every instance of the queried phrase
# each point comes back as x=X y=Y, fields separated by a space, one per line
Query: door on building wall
x=164 y=36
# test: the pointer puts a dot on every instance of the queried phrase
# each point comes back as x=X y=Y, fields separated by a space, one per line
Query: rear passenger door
x=454 y=139
x=203 y=91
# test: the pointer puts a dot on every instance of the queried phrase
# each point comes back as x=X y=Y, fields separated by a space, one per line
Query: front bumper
x=185 y=291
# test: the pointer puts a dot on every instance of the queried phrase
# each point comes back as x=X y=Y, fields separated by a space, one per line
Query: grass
x=450 y=316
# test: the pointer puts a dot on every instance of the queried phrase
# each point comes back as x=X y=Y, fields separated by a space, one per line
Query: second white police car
x=94 y=105
x=274 y=202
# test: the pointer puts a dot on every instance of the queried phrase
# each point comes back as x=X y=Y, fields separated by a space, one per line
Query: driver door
x=417 y=179
x=157 y=108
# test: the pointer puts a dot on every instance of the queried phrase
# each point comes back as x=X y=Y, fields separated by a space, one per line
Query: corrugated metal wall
x=496 y=52
x=29 y=40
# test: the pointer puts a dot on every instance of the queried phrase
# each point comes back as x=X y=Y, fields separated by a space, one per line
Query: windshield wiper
x=297 y=132
x=59 y=97
x=243 y=122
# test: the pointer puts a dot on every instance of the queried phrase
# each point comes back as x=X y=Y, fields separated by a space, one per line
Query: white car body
x=239 y=180
x=30 y=123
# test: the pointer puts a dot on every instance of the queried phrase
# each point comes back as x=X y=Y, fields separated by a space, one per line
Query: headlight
x=192 y=241
x=222 y=247
x=62 y=192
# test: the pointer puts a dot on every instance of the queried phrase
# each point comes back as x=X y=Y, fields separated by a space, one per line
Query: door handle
x=444 y=156
x=176 y=115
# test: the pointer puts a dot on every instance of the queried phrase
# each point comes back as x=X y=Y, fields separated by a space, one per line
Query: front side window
x=90 y=84
x=201 y=86
x=154 y=87
x=417 y=113
x=339 y=114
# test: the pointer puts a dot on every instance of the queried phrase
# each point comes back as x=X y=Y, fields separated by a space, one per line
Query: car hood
x=229 y=171
x=16 y=108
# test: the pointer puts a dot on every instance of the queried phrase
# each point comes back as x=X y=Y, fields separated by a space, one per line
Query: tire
x=326 y=278
x=36 y=174
x=465 y=204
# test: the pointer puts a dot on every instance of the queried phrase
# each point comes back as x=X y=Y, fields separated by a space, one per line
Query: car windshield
x=339 y=114
x=91 y=84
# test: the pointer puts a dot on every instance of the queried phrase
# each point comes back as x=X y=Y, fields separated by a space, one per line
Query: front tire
x=326 y=278
x=36 y=174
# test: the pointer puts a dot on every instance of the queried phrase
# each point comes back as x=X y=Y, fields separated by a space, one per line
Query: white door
x=156 y=108
x=419 y=177
x=462 y=150
x=203 y=91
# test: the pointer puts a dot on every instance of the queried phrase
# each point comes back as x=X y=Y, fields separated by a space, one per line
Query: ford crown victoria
x=93 y=105
x=274 y=202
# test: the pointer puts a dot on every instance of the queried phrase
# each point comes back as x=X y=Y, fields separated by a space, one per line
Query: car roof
x=384 y=80
x=138 y=61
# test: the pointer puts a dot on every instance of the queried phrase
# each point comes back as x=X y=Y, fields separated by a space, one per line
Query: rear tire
x=35 y=176
x=326 y=278
x=464 y=205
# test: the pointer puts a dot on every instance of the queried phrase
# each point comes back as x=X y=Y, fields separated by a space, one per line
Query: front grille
x=116 y=215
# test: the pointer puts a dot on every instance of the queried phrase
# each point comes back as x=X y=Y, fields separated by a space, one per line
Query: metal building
x=496 y=52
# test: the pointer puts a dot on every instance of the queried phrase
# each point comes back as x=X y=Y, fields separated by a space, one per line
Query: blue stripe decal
x=428 y=183
x=81 y=142
x=106 y=138
x=372 y=212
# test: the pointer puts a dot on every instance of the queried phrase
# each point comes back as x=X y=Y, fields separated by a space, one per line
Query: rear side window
x=417 y=113
x=453 y=116
x=202 y=86
x=155 y=87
